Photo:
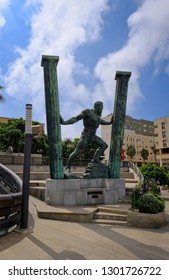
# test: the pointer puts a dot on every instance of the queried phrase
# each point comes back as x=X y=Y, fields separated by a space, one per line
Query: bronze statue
x=91 y=121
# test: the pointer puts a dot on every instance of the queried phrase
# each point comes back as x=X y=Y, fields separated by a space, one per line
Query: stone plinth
x=77 y=192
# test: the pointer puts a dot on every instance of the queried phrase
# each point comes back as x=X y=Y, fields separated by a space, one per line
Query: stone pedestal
x=78 y=192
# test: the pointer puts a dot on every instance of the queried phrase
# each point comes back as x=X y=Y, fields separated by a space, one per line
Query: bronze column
x=117 y=132
x=49 y=63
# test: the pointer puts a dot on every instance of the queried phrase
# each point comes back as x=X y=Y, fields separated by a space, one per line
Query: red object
x=122 y=154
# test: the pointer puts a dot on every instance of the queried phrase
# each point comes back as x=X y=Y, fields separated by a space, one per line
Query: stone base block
x=78 y=192
x=146 y=220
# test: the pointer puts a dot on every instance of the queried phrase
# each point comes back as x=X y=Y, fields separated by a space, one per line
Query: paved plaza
x=58 y=240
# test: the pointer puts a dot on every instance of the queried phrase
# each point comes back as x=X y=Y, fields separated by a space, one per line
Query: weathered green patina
x=117 y=132
x=91 y=121
x=49 y=63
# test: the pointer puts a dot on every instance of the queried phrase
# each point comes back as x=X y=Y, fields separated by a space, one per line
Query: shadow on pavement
x=139 y=249
x=64 y=255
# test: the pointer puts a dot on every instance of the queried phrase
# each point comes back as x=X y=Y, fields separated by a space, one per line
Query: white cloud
x=148 y=41
x=57 y=28
x=60 y=28
x=3 y=5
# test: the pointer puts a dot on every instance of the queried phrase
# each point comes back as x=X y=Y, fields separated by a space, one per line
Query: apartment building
x=138 y=133
x=162 y=139
x=140 y=126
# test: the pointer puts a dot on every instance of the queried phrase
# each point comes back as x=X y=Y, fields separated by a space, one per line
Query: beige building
x=162 y=140
x=37 y=130
x=138 y=133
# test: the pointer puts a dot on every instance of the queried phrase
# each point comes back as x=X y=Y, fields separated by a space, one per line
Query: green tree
x=68 y=146
x=12 y=134
x=144 y=154
x=152 y=171
x=155 y=152
x=131 y=151
x=40 y=146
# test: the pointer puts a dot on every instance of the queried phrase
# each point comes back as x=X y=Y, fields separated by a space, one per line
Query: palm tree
x=155 y=152
x=144 y=154
x=131 y=151
x=2 y=99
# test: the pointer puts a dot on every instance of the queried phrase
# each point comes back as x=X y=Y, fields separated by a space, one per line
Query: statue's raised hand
x=61 y=120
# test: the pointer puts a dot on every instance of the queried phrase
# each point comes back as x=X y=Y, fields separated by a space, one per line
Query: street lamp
x=26 y=167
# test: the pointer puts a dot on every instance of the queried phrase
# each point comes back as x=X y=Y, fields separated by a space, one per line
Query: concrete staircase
x=37 y=189
x=36 y=175
x=110 y=216
x=42 y=172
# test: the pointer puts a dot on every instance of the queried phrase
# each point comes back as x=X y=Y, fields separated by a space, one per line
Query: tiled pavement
x=58 y=240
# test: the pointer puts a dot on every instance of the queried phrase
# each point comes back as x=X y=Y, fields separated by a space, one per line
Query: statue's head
x=98 y=106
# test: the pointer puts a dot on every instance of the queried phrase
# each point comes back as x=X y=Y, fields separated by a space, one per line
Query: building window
x=164 y=143
x=164 y=134
x=163 y=125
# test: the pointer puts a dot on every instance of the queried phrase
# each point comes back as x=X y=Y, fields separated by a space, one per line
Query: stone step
x=125 y=200
x=109 y=209
x=110 y=216
x=131 y=181
x=126 y=175
x=43 y=175
x=37 y=189
x=110 y=222
x=36 y=175
x=38 y=192
x=37 y=183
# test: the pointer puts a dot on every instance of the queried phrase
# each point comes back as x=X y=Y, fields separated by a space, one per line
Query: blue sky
x=93 y=39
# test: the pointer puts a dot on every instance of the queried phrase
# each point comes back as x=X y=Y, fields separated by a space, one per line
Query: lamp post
x=26 y=167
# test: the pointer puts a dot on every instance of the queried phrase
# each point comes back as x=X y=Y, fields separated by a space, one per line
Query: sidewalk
x=58 y=240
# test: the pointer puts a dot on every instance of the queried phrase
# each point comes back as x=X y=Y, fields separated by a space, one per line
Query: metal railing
x=10 y=200
x=137 y=172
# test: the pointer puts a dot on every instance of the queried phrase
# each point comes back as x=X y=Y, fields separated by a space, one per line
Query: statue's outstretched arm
x=103 y=122
x=71 y=120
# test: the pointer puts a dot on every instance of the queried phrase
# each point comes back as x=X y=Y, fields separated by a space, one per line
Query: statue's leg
x=100 y=151
x=79 y=149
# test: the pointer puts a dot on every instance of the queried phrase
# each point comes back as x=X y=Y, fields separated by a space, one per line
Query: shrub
x=149 y=203
x=158 y=173
x=153 y=186
x=136 y=194
x=161 y=202
x=147 y=186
